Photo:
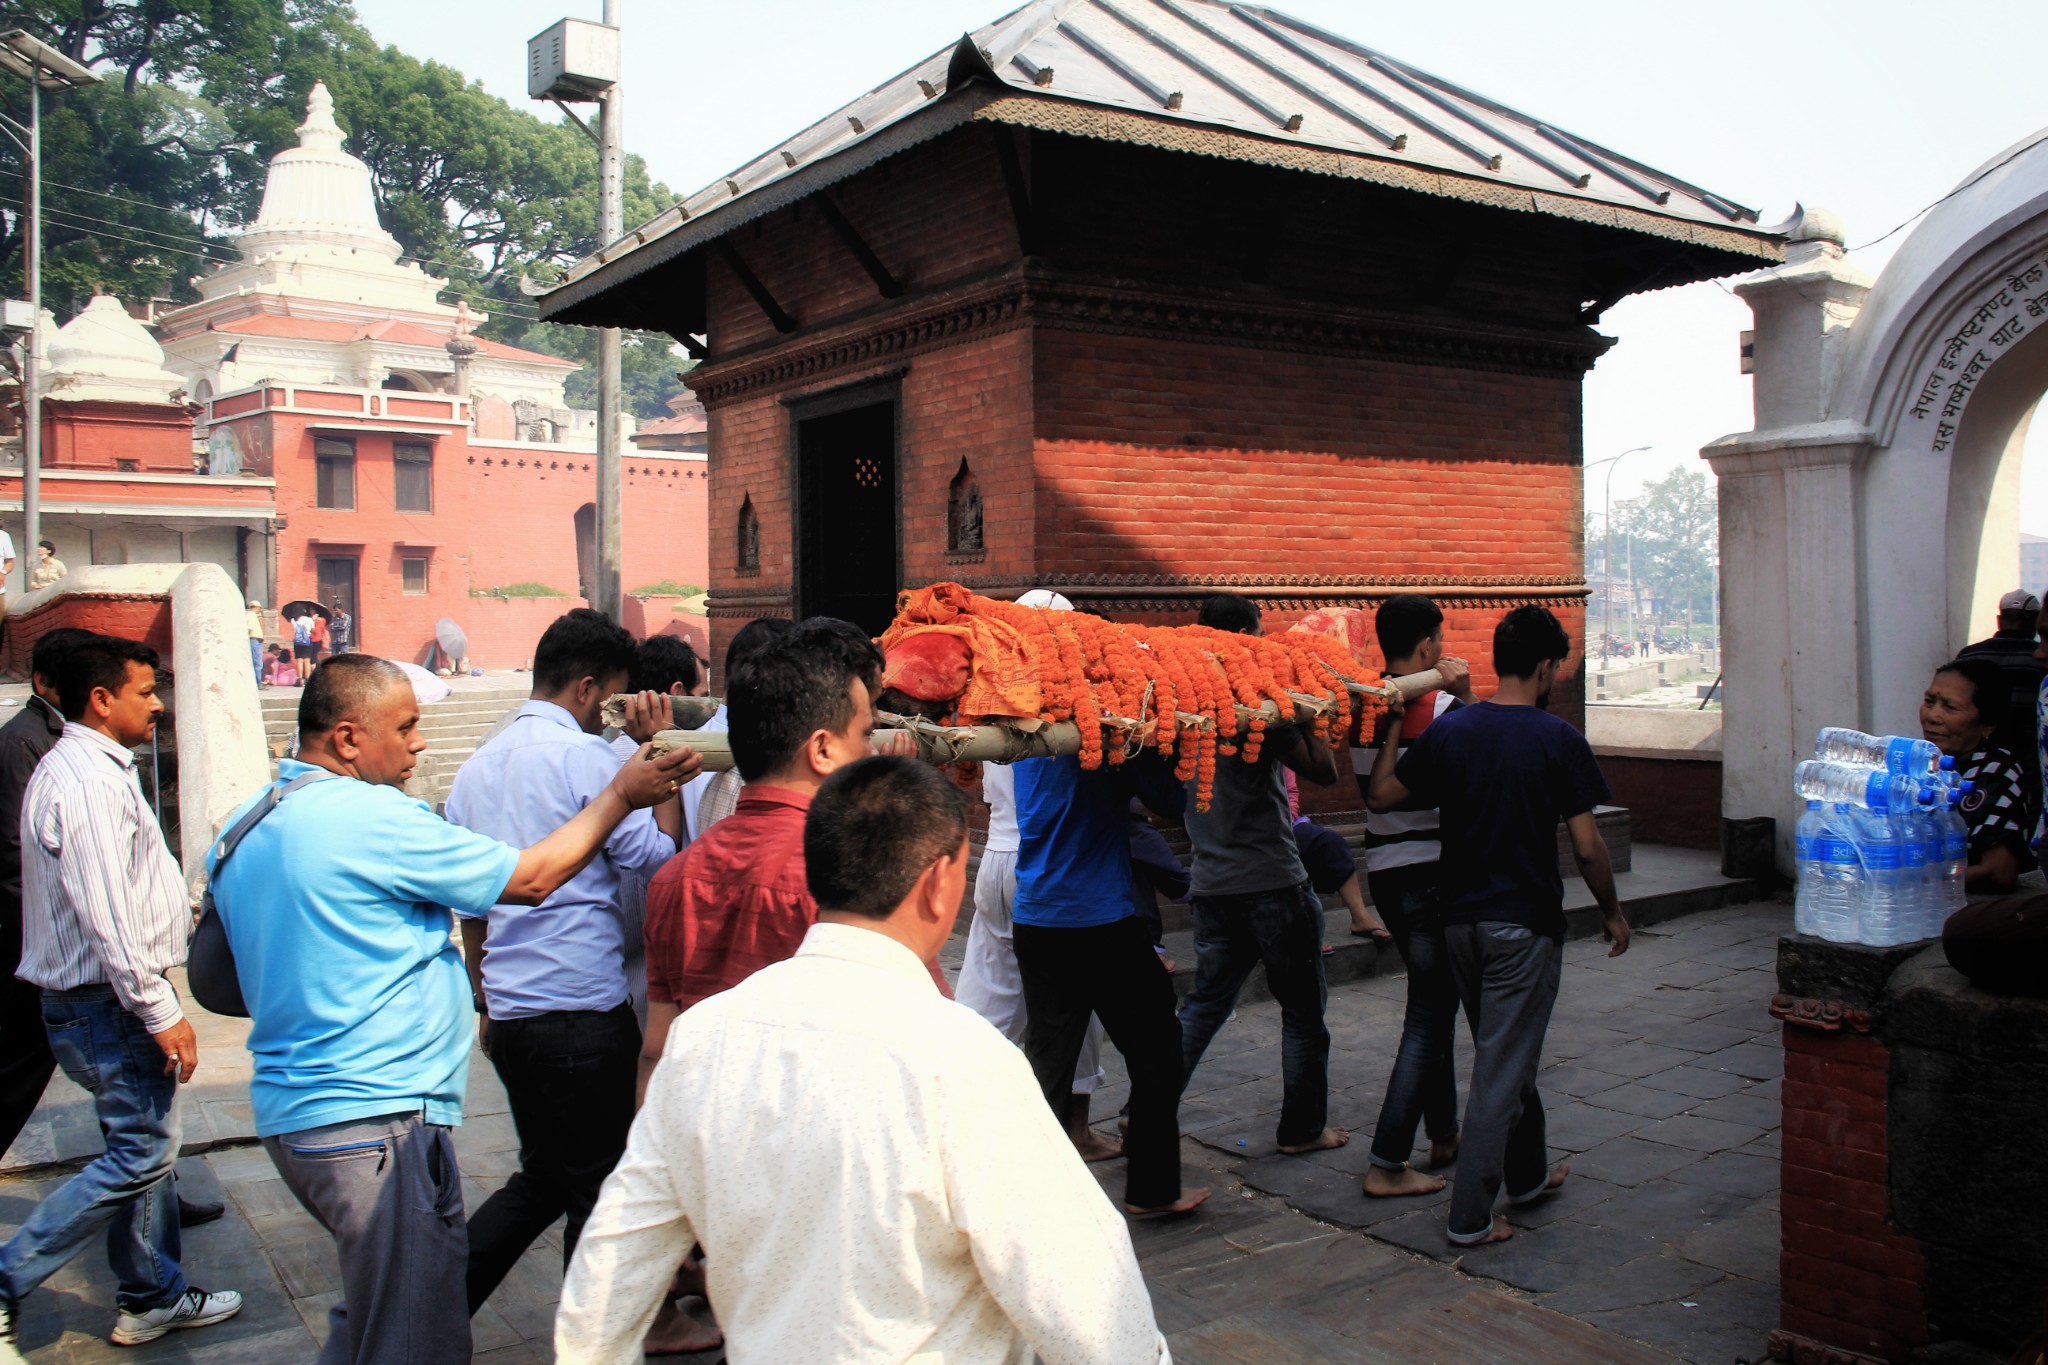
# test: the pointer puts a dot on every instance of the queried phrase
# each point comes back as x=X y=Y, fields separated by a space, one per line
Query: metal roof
x=1235 y=71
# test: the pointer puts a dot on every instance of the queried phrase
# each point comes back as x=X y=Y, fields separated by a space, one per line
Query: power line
x=1997 y=165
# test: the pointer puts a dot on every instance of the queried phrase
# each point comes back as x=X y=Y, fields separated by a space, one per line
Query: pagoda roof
x=1208 y=77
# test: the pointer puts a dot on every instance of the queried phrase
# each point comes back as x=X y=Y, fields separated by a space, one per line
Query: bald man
x=338 y=906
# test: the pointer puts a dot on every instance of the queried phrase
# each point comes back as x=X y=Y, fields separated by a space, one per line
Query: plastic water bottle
x=1913 y=757
x=1884 y=918
x=1838 y=905
x=1919 y=875
x=1955 y=858
x=1806 y=854
x=1873 y=788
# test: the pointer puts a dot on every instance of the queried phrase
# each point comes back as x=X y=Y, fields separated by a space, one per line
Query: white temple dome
x=317 y=195
x=103 y=353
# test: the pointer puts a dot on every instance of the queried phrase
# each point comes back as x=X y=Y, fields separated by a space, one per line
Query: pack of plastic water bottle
x=1881 y=848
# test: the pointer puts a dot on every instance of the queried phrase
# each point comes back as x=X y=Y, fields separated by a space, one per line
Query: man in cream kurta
x=869 y=1166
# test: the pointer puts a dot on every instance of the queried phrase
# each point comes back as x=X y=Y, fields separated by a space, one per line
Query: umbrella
x=292 y=611
x=425 y=686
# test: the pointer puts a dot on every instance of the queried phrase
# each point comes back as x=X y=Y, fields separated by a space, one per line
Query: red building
x=1148 y=300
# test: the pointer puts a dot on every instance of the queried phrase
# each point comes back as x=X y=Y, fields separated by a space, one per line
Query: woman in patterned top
x=1963 y=704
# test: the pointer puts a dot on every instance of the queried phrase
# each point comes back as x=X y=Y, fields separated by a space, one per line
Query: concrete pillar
x=1790 y=573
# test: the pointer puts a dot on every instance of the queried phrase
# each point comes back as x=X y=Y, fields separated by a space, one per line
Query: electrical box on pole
x=575 y=61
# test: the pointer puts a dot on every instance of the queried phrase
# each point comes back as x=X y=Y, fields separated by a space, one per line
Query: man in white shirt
x=105 y=915
x=870 y=1164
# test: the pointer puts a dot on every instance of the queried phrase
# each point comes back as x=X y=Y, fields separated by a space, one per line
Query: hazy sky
x=1874 y=109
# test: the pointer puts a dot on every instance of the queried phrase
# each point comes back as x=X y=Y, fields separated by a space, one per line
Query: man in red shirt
x=735 y=900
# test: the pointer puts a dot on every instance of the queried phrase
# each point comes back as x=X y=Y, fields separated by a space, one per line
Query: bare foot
x=1328 y=1140
x=676 y=1332
x=1381 y=1183
x=1188 y=1201
x=1499 y=1232
x=1557 y=1176
x=1093 y=1146
x=1365 y=924
x=1442 y=1154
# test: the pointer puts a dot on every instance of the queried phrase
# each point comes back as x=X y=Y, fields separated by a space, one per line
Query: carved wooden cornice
x=1824 y=1016
x=1016 y=300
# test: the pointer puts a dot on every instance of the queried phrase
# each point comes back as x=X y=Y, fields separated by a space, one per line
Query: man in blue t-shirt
x=1082 y=950
x=1503 y=773
x=337 y=907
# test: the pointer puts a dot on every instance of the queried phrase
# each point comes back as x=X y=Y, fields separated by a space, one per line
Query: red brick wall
x=1670 y=801
x=93 y=435
x=1847 y=1277
x=147 y=619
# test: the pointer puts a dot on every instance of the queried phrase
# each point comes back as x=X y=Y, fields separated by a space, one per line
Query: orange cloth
x=1351 y=627
x=1000 y=679
x=930 y=663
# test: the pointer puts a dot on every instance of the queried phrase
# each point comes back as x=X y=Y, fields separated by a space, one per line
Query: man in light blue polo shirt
x=336 y=907
x=560 y=1027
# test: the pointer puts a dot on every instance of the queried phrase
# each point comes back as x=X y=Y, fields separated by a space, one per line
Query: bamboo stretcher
x=1005 y=742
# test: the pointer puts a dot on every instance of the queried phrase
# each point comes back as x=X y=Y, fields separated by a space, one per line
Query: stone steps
x=452 y=727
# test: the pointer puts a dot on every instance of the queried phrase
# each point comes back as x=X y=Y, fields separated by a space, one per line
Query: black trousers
x=1111 y=972
x=569 y=1076
x=25 y=1061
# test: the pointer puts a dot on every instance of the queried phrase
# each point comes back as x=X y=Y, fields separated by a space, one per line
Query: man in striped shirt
x=1401 y=856
x=105 y=916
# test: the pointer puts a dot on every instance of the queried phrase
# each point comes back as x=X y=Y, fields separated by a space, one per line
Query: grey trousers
x=1507 y=978
x=389 y=1190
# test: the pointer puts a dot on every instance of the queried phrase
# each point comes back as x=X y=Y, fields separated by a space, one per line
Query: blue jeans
x=127 y=1189
x=256 y=657
x=1424 y=1085
x=1283 y=930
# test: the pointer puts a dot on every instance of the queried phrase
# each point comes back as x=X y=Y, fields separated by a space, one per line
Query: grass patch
x=519 y=590
x=668 y=587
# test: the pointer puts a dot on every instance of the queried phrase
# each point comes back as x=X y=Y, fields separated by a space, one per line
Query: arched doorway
x=1870 y=521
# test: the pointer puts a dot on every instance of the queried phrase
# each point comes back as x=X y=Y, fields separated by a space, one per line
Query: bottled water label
x=1881 y=857
x=1830 y=848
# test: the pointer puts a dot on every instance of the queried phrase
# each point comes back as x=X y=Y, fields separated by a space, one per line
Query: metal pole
x=611 y=213
x=31 y=352
x=1607 y=560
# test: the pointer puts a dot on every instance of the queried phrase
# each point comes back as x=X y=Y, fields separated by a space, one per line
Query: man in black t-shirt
x=1503 y=773
x=2013 y=649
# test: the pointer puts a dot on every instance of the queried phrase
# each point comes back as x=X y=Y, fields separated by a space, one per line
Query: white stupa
x=105 y=355
x=320 y=296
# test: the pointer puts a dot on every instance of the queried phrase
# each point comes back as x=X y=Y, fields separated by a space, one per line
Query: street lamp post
x=45 y=68
x=1607 y=551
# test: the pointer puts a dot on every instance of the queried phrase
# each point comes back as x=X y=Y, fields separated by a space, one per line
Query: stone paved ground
x=1661 y=1080
x=1662 y=1089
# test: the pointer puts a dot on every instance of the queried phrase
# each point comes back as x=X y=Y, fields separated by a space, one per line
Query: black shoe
x=191 y=1215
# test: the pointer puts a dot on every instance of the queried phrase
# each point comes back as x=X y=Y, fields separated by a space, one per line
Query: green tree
x=1675 y=529
x=148 y=174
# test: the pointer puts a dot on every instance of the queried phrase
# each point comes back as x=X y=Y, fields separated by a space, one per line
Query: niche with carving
x=964 y=514
x=747 y=550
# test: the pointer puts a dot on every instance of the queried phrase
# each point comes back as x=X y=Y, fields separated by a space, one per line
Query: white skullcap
x=1045 y=597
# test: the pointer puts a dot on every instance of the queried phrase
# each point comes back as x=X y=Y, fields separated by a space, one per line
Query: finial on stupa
x=320 y=132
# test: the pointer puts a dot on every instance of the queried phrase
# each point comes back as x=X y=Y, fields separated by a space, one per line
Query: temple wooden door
x=847 y=539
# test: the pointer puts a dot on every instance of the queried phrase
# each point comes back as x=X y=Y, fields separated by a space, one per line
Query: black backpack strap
x=254 y=817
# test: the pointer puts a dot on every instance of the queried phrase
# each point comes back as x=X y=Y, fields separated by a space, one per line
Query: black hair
x=49 y=545
x=1403 y=622
x=789 y=689
x=1525 y=638
x=862 y=654
x=88 y=665
x=1987 y=683
x=661 y=662
x=581 y=644
x=873 y=829
x=345 y=688
x=751 y=637
x=1228 y=611
x=46 y=660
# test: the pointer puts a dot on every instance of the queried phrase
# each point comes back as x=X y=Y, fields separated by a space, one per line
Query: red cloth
x=734 y=901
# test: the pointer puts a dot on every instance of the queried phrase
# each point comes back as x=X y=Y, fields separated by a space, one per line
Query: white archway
x=1870 y=520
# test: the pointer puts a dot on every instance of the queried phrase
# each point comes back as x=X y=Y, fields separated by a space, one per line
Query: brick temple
x=1141 y=299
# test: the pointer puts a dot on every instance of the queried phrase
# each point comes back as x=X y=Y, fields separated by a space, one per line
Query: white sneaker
x=198 y=1308
x=10 y=1353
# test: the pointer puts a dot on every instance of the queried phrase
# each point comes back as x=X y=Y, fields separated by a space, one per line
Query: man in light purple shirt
x=550 y=979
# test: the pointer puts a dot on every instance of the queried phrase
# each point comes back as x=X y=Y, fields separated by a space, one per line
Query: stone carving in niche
x=748 y=548
x=963 y=514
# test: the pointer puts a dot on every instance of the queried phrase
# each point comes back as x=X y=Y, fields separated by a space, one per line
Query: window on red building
x=413 y=477
x=334 y=474
x=412 y=571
